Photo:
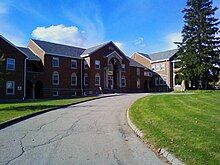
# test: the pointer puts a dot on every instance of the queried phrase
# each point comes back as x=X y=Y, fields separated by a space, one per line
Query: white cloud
x=120 y=45
x=171 y=38
x=70 y=35
x=87 y=16
x=140 y=42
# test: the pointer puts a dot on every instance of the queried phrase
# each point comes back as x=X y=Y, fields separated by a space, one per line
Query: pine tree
x=200 y=48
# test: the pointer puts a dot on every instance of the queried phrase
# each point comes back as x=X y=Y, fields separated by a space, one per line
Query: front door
x=110 y=82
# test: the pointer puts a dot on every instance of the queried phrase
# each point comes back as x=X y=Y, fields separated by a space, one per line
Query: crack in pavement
x=118 y=161
x=22 y=150
x=66 y=133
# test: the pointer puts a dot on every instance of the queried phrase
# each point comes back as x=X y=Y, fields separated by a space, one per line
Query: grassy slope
x=12 y=110
x=188 y=125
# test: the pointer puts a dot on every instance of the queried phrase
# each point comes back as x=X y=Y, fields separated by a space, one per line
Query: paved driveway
x=95 y=132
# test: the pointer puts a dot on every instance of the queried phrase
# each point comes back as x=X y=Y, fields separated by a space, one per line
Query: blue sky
x=134 y=25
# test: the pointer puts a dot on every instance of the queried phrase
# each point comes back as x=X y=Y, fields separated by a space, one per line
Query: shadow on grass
x=28 y=108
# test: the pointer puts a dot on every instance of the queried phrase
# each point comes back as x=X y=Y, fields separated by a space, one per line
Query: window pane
x=10 y=64
x=73 y=64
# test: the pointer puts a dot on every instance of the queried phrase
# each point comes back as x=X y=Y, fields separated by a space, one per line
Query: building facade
x=50 y=70
x=164 y=68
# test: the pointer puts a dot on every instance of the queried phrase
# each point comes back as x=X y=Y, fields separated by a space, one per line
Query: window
x=85 y=64
x=123 y=81
x=73 y=93
x=55 y=93
x=97 y=64
x=55 y=62
x=123 y=67
x=97 y=79
x=73 y=79
x=55 y=78
x=138 y=71
x=10 y=87
x=73 y=64
x=10 y=64
x=86 y=79
x=162 y=66
x=138 y=83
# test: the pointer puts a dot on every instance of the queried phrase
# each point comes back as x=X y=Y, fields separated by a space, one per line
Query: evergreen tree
x=199 y=50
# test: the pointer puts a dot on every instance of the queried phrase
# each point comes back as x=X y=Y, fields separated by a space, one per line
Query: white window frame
x=123 y=78
x=13 y=88
x=58 y=63
x=73 y=61
x=97 y=63
x=97 y=75
x=123 y=67
x=73 y=75
x=84 y=78
x=13 y=63
x=57 y=74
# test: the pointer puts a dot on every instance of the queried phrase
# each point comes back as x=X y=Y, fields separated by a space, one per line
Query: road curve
x=94 y=132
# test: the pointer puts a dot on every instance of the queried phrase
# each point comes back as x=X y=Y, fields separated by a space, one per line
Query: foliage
x=199 y=50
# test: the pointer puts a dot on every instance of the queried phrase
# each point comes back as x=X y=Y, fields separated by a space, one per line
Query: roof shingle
x=29 y=54
x=59 y=49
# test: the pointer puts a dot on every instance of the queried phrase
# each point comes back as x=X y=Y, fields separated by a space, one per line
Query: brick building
x=164 y=67
x=50 y=70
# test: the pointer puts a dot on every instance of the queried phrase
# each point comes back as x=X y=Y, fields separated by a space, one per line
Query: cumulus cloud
x=70 y=35
x=140 y=42
x=171 y=38
x=120 y=45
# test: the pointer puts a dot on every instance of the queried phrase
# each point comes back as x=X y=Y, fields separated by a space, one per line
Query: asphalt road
x=95 y=132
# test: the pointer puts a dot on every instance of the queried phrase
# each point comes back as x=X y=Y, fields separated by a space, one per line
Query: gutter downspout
x=81 y=80
x=25 y=77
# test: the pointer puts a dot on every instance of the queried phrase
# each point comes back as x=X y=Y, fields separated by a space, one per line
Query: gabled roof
x=29 y=54
x=160 y=55
x=59 y=49
x=12 y=44
x=95 y=48
x=134 y=63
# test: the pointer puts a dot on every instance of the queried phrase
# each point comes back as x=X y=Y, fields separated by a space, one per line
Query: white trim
x=84 y=55
x=56 y=58
x=97 y=75
x=151 y=61
x=71 y=63
x=54 y=54
x=34 y=54
x=57 y=73
x=13 y=62
x=37 y=46
x=13 y=88
x=73 y=75
x=115 y=53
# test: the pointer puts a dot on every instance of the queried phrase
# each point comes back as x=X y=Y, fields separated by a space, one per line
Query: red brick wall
x=17 y=75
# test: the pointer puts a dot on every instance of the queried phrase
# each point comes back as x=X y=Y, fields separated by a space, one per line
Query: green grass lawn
x=186 y=125
x=12 y=110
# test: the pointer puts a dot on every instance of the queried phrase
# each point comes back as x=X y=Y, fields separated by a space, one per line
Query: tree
x=199 y=50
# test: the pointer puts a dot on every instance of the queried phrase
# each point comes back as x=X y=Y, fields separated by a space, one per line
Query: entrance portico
x=112 y=73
